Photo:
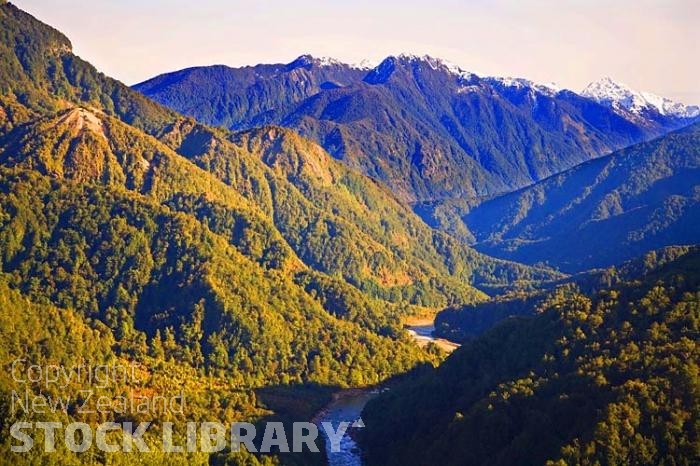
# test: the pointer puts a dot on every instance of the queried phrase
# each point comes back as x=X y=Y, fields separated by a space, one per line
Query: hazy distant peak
x=365 y=64
x=383 y=70
x=438 y=64
x=452 y=68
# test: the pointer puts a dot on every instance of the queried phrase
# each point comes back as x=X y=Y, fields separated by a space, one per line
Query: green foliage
x=167 y=291
x=610 y=378
x=461 y=323
x=235 y=266
x=335 y=221
x=139 y=267
x=46 y=335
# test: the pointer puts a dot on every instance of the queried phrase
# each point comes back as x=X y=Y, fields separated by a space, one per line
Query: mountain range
x=133 y=215
x=256 y=239
x=445 y=141
x=427 y=129
x=643 y=107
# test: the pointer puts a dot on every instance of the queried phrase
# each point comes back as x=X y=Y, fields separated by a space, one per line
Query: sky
x=651 y=45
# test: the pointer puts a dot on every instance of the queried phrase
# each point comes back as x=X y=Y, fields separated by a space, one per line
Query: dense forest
x=609 y=377
x=232 y=265
x=464 y=322
x=310 y=198
x=602 y=212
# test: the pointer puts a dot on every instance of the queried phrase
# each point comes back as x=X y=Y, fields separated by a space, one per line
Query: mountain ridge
x=587 y=378
x=56 y=103
x=602 y=212
x=418 y=124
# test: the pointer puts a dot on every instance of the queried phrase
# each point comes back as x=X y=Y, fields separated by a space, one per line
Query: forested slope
x=602 y=212
x=231 y=261
x=610 y=378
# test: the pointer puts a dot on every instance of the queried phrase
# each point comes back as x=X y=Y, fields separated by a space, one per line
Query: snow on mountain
x=308 y=60
x=550 y=89
x=440 y=64
x=625 y=100
x=365 y=64
x=381 y=72
x=328 y=61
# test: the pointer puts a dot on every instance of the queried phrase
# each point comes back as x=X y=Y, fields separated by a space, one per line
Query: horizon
x=570 y=43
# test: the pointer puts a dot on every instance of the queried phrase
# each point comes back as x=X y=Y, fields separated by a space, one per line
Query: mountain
x=643 y=107
x=221 y=263
x=315 y=203
x=605 y=378
x=251 y=271
x=251 y=96
x=245 y=260
x=602 y=212
x=427 y=129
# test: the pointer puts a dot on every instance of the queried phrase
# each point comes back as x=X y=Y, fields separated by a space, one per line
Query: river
x=347 y=405
x=423 y=334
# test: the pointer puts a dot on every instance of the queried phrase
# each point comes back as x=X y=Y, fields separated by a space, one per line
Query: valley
x=482 y=270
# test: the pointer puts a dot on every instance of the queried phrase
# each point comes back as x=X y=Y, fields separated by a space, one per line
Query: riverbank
x=423 y=335
x=340 y=396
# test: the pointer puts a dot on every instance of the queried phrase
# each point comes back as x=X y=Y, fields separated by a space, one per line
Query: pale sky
x=651 y=45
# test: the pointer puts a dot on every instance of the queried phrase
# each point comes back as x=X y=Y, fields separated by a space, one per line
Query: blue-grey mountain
x=602 y=212
x=429 y=130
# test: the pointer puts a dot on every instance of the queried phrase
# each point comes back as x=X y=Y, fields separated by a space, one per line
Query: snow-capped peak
x=308 y=60
x=328 y=61
x=452 y=68
x=434 y=63
x=365 y=64
x=622 y=98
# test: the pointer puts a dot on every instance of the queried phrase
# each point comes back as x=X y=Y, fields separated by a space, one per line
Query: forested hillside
x=45 y=334
x=602 y=212
x=238 y=262
x=607 y=378
x=40 y=66
x=465 y=322
x=259 y=266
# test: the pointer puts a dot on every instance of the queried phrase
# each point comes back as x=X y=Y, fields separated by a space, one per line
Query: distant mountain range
x=429 y=130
